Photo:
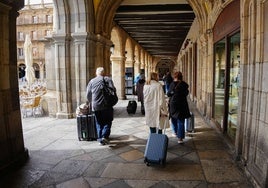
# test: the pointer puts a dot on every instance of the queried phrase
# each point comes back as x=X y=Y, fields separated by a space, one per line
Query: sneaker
x=180 y=141
x=174 y=135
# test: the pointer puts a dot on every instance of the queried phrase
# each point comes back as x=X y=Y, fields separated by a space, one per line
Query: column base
x=61 y=115
x=15 y=163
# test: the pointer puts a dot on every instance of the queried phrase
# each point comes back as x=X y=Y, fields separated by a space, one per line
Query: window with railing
x=20 y=53
x=47 y=33
x=35 y=51
x=34 y=35
x=48 y=18
x=34 y=19
x=20 y=36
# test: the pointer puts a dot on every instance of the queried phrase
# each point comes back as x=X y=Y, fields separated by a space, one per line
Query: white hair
x=99 y=71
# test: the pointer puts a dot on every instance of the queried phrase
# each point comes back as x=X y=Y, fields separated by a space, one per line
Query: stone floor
x=58 y=159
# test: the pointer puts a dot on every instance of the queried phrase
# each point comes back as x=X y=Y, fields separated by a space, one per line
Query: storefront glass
x=220 y=66
x=227 y=70
x=234 y=84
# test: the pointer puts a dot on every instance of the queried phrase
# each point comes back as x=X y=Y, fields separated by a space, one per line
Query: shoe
x=105 y=140
x=180 y=141
x=174 y=135
x=102 y=143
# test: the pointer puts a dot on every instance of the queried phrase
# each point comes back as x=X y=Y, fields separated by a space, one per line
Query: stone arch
x=129 y=49
x=61 y=18
x=137 y=66
x=200 y=13
x=104 y=16
x=117 y=41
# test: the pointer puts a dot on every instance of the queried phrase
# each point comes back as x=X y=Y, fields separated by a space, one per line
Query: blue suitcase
x=156 y=149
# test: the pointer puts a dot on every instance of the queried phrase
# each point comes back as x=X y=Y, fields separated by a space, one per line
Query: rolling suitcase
x=189 y=123
x=86 y=127
x=156 y=149
x=131 y=107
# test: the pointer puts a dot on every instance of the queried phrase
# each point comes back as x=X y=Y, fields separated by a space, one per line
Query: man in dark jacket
x=178 y=105
x=103 y=113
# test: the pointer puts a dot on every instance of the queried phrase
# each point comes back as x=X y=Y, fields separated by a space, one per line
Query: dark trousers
x=104 y=120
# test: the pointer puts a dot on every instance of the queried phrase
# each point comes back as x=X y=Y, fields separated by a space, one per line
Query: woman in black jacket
x=178 y=105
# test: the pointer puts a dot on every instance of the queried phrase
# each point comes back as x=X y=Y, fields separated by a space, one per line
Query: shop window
x=227 y=83
x=219 y=82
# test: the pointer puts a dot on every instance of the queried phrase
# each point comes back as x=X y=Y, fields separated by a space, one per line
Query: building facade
x=36 y=20
x=224 y=61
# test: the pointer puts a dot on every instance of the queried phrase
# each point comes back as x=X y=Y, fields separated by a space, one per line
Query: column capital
x=104 y=40
x=118 y=58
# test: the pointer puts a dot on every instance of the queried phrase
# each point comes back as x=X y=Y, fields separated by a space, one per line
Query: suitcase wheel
x=146 y=162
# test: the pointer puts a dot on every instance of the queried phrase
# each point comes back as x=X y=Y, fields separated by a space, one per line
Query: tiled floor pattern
x=58 y=159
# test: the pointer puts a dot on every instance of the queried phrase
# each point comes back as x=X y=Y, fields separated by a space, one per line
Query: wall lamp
x=208 y=31
x=112 y=49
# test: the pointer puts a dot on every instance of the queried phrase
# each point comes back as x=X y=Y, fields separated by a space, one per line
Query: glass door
x=219 y=81
x=234 y=84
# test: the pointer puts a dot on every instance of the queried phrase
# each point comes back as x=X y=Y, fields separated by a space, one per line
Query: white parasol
x=29 y=71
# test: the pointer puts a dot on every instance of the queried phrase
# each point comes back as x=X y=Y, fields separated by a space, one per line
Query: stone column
x=63 y=76
x=80 y=62
x=118 y=75
x=12 y=147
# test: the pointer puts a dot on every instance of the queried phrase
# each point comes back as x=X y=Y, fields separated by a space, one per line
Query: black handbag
x=109 y=95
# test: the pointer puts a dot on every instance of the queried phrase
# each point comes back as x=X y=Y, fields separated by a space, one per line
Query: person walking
x=167 y=81
x=178 y=105
x=103 y=113
x=156 y=111
x=139 y=91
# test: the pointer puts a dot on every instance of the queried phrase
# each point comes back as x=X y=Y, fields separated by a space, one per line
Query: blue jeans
x=103 y=130
x=178 y=127
x=167 y=88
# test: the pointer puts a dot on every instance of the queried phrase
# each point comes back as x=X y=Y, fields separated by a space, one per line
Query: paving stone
x=117 y=184
x=77 y=183
x=188 y=184
x=99 y=182
x=71 y=167
x=141 y=171
x=141 y=183
x=132 y=155
x=221 y=171
x=214 y=154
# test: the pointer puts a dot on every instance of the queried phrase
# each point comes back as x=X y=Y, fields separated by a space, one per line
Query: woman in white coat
x=155 y=105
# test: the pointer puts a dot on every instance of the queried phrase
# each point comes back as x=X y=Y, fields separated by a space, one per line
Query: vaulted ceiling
x=159 y=26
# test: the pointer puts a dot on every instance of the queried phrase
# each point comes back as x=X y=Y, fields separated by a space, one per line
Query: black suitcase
x=189 y=123
x=86 y=127
x=131 y=107
x=156 y=149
